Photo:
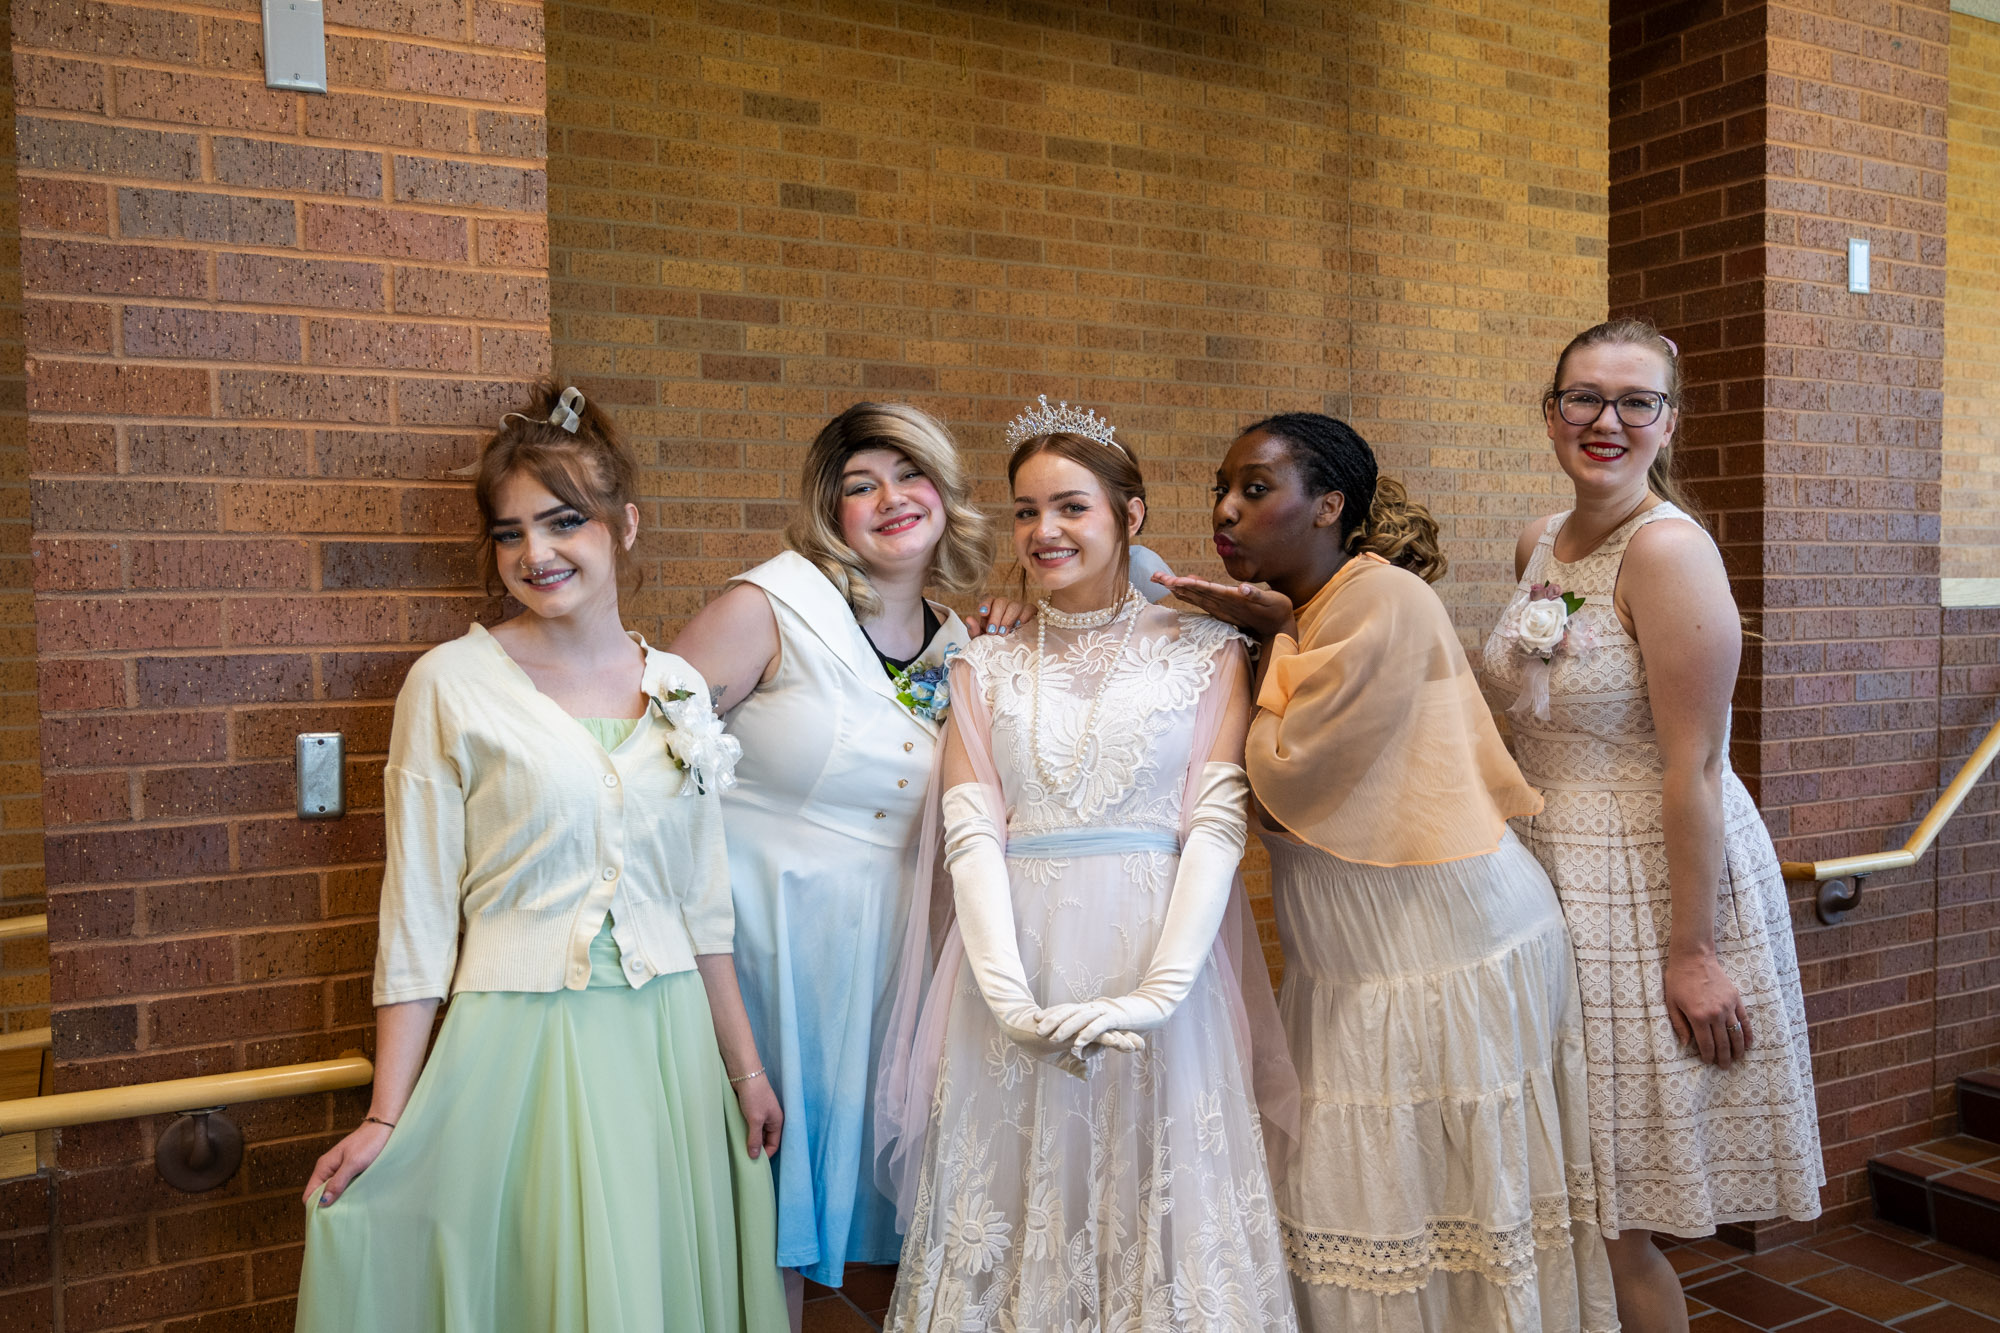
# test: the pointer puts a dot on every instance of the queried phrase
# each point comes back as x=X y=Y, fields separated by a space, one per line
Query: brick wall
x=1848 y=714
x=1747 y=147
x=1968 y=890
x=260 y=329
x=1968 y=854
x=762 y=212
x=1972 y=306
x=24 y=964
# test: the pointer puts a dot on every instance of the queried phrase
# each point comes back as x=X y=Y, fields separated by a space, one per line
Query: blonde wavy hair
x=963 y=554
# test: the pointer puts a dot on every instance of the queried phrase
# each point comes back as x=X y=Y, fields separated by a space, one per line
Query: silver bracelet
x=745 y=1078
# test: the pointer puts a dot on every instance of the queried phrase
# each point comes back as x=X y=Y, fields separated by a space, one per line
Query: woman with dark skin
x=1443 y=1175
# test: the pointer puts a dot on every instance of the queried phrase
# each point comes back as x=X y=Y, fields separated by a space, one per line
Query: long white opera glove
x=985 y=905
x=984 y=901
x=1202 y=884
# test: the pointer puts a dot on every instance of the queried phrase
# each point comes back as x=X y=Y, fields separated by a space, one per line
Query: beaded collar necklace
x=1126 y=607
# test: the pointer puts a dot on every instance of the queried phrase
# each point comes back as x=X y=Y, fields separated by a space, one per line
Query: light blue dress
x=822 y=826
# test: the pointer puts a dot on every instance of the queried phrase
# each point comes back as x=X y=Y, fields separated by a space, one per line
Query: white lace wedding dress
x=1133 y=1197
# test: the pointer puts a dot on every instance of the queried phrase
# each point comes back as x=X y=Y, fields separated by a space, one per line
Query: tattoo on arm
x=715 y=693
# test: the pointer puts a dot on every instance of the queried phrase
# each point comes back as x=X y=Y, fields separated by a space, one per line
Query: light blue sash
x=1094 y=842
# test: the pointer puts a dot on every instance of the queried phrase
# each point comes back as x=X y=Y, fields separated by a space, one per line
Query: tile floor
x=857 y=1307
x=1865 y=1277
x=1859 y=1278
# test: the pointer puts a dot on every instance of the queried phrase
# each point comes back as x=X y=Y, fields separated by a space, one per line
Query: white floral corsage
x=1540 y=623
x=696 y=741
x=925 y=687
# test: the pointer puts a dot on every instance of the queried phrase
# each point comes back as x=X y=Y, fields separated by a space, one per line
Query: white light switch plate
x=1857 y=265
x=295 y=45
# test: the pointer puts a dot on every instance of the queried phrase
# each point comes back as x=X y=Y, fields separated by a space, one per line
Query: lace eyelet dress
x=1133 y=1195
x=1681 y=1146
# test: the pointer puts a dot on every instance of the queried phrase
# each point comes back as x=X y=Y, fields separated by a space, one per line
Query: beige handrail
x=183 y=1094
x=27 y=1039
x=1869 y=863
x=24 y=927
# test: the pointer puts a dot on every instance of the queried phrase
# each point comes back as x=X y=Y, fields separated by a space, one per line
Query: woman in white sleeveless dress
x=803 y=652
x=1087 y=1150
x=1621 y=648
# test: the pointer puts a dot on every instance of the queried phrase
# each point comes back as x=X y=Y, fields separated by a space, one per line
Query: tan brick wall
x=261 y=328
x=762 y=212
x=1972 y=306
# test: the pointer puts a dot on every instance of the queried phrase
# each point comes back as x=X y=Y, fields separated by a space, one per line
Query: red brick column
x=1747 y=147
x=261 y=328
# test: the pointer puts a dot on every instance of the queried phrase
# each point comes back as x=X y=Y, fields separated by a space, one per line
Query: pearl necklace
x=1126 y=606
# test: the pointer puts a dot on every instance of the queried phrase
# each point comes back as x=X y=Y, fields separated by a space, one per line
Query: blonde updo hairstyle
x=963 y=554
x=1377 y=516
x=588 y=469
x=1660 y=478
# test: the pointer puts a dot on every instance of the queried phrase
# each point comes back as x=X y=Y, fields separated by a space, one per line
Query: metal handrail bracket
x=1836 y=899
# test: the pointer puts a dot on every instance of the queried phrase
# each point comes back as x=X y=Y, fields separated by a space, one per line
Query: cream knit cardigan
x=512 y=832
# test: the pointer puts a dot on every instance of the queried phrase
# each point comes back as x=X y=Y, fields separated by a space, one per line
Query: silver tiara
x=1062 y=419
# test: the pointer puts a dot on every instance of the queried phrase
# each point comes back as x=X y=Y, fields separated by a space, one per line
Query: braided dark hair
x=1377 y=514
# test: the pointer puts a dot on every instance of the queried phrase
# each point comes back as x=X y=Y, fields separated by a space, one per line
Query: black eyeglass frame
x=1617 y=406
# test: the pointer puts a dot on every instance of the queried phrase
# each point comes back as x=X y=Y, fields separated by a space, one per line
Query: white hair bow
x=564 y=413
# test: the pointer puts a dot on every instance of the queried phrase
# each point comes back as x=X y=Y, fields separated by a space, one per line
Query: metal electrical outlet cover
x=295 y=45
x=322 y=775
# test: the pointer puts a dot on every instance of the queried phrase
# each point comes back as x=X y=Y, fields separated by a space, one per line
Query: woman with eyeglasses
x=1620 y=648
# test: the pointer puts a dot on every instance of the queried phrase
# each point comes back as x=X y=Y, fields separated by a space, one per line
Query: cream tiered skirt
x=1443 y=1177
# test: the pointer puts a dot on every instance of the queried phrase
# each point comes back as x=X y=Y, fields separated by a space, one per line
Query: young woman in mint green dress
x=588 y=1145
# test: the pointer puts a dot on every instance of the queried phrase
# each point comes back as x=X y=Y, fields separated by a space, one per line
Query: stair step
x=1948 y=1188
x=1979 y=1105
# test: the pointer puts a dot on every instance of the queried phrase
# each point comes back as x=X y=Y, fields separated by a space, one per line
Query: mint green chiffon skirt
x=569 y=1162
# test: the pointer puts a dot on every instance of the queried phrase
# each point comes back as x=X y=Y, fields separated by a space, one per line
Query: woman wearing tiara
x=823 y=659
x=1093 y=1157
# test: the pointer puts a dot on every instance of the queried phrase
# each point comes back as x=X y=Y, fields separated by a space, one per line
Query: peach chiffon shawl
x=1372 y=741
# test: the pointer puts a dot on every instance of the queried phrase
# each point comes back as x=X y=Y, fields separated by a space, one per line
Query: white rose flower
x=1539 y=625
x=695 y=738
